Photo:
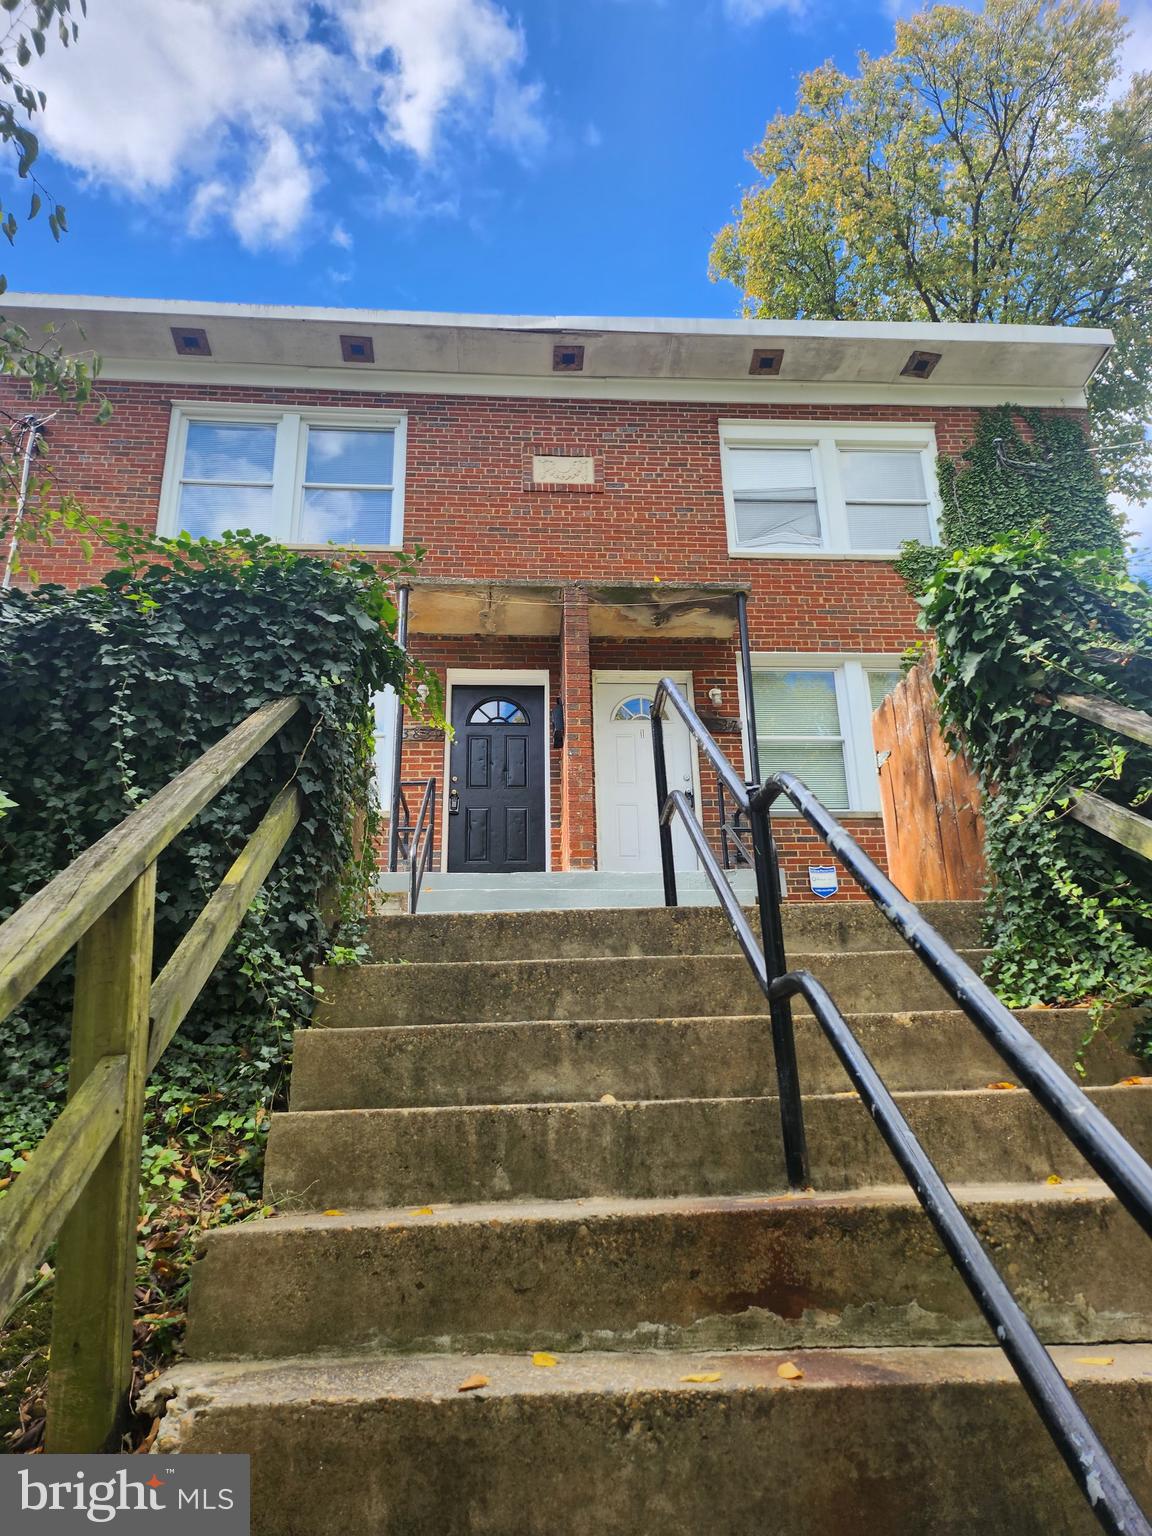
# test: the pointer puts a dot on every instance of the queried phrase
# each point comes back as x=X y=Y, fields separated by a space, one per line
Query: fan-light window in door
x=633 y=709
x=498 y=712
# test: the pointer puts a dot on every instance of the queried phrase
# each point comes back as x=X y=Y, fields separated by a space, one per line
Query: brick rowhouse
x=651 y=515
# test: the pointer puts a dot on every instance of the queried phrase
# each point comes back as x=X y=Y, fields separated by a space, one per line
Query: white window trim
x=825 y=438
x=288 y=466
x=855 y=704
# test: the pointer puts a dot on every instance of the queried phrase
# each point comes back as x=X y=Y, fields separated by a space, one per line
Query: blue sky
x=550 y=156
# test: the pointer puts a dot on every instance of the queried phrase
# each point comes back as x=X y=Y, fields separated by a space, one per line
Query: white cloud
x=231 y=107
x=340 y=236
x=443 y=58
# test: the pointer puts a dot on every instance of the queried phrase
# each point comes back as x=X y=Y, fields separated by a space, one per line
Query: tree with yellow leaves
x=995 y=166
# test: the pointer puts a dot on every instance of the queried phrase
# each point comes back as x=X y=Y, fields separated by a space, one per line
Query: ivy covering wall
x=109 y=692
x=1016 y=622
x=1024 y=471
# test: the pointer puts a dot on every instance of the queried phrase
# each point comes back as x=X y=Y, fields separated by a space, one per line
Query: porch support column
x=578 y=790
x=402 y=596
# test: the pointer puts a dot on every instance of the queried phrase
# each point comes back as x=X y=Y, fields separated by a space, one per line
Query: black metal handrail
x=420 y=838
x=1094 y=1136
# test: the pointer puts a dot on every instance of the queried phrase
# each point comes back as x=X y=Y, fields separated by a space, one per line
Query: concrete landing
x=559 y=890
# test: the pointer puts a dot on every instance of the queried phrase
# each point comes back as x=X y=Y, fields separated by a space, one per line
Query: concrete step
x=427 y=1065
x=657 y=930
x=560 y=890
x=763 y=1273
x=885 y=1442
x=504 y=991
x=334 y=1159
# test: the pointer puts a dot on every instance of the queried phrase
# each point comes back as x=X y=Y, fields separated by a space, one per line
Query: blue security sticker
x=823 y=879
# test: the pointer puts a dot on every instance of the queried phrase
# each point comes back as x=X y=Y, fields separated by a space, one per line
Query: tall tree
x=996 y=165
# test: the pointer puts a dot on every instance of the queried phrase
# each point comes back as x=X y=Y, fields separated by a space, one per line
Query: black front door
x=496 y=779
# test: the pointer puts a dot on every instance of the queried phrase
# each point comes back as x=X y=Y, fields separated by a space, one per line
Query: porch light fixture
x=567 y=359
x=357 y=349
x=716 y=696
x=190 y=342
x=766 y=361
x=919 y=365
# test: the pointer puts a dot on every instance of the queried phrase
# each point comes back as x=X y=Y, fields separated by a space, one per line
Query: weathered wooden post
x=91 y=1362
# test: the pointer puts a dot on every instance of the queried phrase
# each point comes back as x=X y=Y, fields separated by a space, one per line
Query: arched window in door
x=498 y=712
x=638 y=708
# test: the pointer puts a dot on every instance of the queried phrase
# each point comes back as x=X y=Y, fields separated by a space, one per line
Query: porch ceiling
x=484 y=608
x=662 y=612
x=647 y=611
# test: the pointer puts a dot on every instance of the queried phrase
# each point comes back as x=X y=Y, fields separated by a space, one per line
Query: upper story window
x=851 y=490
x=301 y=477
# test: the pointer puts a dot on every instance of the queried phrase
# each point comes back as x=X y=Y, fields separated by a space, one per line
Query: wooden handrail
x=1133 y=723
x=83 y=1181
x=1115 y=821
x=50 y=923
x=182 y=980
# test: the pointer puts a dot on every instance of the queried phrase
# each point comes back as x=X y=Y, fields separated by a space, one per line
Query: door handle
x=453 y=802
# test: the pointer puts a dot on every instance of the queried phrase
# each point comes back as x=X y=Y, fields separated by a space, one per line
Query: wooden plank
x=91 y=1360
x=930 y=799
x=1125 y=722
x=49 y=923
x=1114 y=821
x=181 y=981
x=61 y=1166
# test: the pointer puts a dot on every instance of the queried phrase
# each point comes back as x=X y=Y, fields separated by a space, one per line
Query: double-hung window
x=854 y=490
x=814 y=719
x=301 y=477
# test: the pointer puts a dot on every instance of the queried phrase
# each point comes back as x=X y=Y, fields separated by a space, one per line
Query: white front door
x=627 y=827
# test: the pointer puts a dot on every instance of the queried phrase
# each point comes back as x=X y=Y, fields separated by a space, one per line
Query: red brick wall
x=656 y=509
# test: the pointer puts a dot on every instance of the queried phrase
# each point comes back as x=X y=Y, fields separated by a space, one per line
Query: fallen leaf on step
x=1096 y=1360
x=472 y=1383
x=1135 y=1082
x=702 y=1376
x=542 y=1358
x=1004 y=1086
x=790 y=1372
x=1053 y=1178
x=333 y=1213
x=609 y=1098
x=422 y=1210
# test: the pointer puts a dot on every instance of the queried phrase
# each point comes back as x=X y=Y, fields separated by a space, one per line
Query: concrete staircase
x=556 y=1131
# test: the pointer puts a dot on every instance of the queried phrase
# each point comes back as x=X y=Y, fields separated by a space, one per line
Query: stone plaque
x=557 y=469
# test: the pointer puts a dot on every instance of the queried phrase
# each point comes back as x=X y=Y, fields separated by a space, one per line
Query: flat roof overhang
x=134 y=336
x=636 y=611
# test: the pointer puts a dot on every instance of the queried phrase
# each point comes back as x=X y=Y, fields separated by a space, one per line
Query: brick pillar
x=578 y=805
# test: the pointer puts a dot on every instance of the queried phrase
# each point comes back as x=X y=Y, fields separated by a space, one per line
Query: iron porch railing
x=1094 y=1136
